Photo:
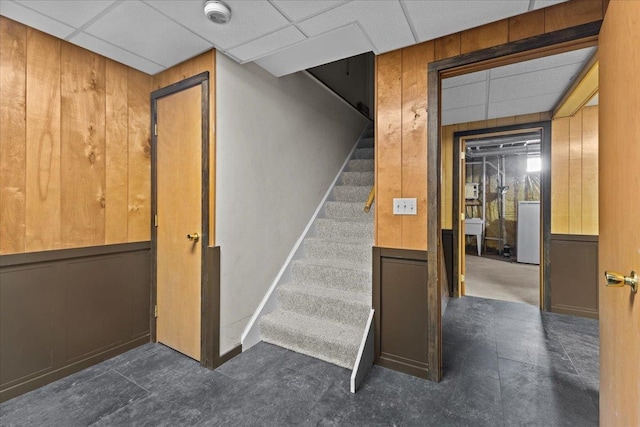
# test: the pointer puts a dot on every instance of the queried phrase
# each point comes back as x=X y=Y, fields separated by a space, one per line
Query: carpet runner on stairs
x=323 y=311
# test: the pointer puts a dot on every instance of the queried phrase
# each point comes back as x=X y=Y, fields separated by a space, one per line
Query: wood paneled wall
x=199 y=64
x=401 y=97
x=574 y=173
x=74 y=145
x=447 y=154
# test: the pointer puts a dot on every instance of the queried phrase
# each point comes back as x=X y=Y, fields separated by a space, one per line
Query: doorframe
x=206 y=283
x=545 y=199
x=585 y=35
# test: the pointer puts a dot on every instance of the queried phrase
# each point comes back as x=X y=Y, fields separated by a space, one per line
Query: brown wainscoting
x=447 y=248
x=574 y=275
x=62 y=311
x=401 y=310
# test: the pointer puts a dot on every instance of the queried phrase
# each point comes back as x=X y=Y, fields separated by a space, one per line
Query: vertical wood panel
x=117 y=154
x=447 y=46
x=447 y=175
x=590 y=170
x=414 y=142
x=575 y=174
x=489 y=35
x=82 y=87
x=572 y=13
x=388 y=150
x=560 y=176
x=43 y=150
x=139 y=180
x=526 y=25
x=13 y=40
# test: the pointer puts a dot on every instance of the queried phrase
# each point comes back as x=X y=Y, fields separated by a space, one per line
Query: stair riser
x=356 y=178
x=353 y=211
x=339 y=278
x=350 y=193
x=324 y=249
x=366 y=142
x=360 y=165
x=341 y=355
x=331 y=228
x=350 y=313
x=363 y=153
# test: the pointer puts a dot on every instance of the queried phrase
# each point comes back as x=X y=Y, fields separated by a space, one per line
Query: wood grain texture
x=414 y=143
x=13 y=58
x=43 y=216
x=388 y=149
x=575 y=174
x=489 y=35
x=560 y=176
x=139 y=177
x=590 y=170
x=447 y=46
x=619 y=241
x=572 y=13
x=117 y=154
x=526 y=25
x=82 y=129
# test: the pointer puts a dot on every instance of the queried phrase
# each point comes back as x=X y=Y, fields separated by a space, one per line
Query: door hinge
x=462 y=155
x=155 y=311
x=155 y=220
x=155 y=130
x=462 y=215
x=461 y=279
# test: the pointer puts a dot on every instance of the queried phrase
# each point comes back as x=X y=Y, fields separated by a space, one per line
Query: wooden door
x=179 y=210
x=619 y=201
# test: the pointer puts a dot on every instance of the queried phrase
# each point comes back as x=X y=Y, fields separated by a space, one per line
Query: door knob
x=193 y=237
x=617 y=280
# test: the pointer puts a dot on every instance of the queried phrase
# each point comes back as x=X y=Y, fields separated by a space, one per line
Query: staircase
x=323 y=310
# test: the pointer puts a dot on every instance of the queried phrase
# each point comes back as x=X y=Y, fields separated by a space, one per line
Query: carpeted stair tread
x=333 y=273
x=330 y=227
x=352 y=210
x=363 y=153
x=326 y=340
x=352 y=193
x=367 y=142
x=355 y=250
x=338 y=305
x=356 y=178
x=361 y=165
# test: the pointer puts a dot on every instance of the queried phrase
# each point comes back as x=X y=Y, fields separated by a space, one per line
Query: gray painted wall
x=280 y=142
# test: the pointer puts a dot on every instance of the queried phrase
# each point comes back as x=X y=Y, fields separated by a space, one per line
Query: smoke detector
x=217 y=11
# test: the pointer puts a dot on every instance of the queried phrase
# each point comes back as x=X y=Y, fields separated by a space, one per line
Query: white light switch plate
x=405 y=206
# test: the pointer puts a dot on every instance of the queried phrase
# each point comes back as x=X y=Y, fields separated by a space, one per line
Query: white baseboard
x=364 y=360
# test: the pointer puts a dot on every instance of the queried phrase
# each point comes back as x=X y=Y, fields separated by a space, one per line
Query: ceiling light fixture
x=217 y=11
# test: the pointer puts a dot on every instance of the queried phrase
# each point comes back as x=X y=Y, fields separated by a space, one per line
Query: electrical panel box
x=471 y=190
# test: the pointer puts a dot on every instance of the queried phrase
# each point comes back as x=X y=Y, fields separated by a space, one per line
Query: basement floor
x=505 y=364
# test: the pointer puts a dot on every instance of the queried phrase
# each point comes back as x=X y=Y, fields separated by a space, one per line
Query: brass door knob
x=193 y=237
x=617 y=280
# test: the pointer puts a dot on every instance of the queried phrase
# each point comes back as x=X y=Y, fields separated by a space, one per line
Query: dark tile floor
x=505 y=364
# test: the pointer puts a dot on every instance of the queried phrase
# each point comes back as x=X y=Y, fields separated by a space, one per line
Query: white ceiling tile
x=383 y=21
x=539 y=4
x=554 y=80
x=464 y=79
x=33 y=19
x=463 y=115
x=249 y=19
x=269 y=43
x=461 y=96
x=516 y=107
x=301 y=9
x=436 y=18
x=141 y=30
x=110 y=51
x=71 y=12
x=573 y=57
x=341 y=43
x=593 y=101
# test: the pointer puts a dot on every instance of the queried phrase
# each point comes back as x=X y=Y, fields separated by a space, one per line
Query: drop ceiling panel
x=69 y=11
x=539 y=4
x=465 y=79
x=249 y=19
x=516 y=107
x=385 y=24
x=301 y=9
x=573 y=57
x=272 y=42
x=541 y=82
x=120 y=55
x=34 y=19
x=144 y=31
x=341 y=43
x=432 y=19
x=463 y=115
x=461 y=96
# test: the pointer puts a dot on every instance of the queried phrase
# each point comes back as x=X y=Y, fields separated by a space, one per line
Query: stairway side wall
x=280 y=143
